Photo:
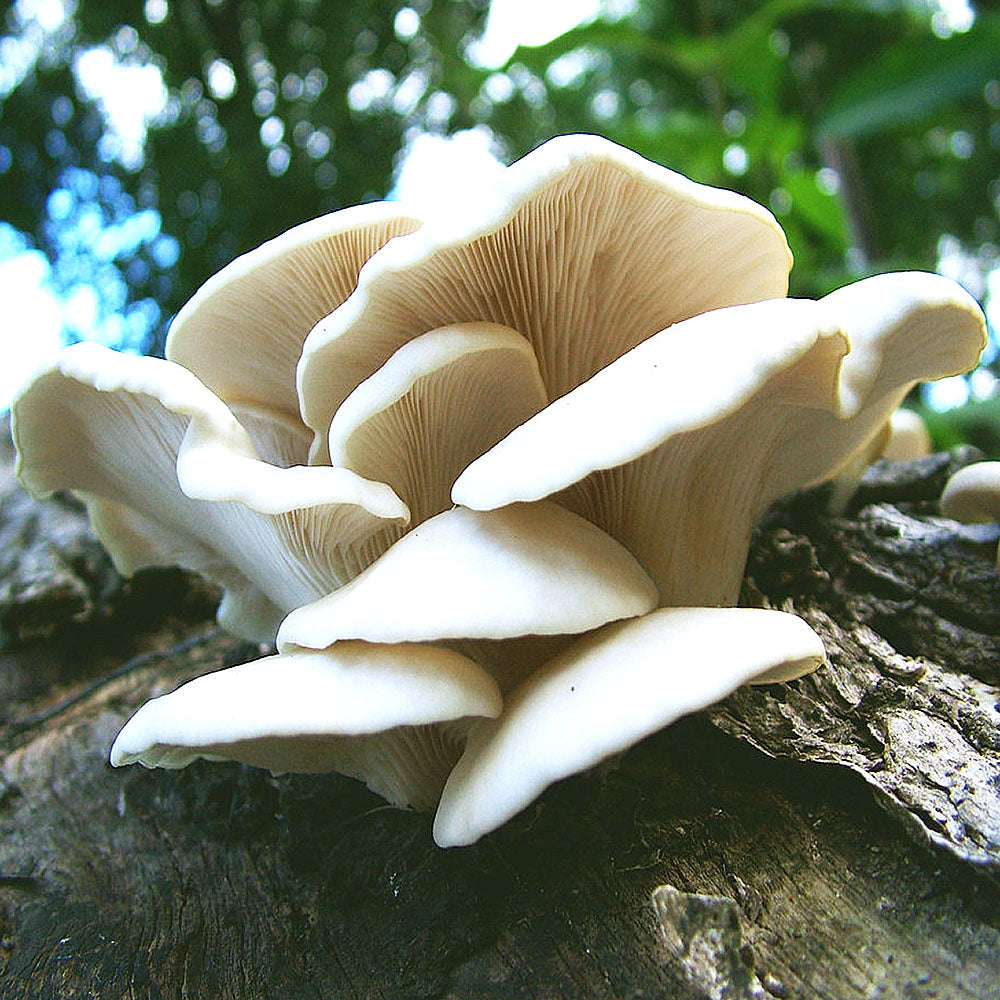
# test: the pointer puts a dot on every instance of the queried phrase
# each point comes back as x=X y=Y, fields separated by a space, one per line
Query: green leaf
x=913 y=79
x=976 y=422
x=610 y=37
x=821 y=211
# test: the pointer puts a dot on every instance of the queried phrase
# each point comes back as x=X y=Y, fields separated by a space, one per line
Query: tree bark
x=836 y=837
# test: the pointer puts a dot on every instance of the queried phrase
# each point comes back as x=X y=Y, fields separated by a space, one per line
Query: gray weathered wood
x=857 y=853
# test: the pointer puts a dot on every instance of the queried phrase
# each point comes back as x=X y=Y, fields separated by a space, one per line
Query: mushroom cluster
x=487 y=480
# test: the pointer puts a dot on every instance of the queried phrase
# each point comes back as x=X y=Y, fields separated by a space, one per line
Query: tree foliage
x=871 y=129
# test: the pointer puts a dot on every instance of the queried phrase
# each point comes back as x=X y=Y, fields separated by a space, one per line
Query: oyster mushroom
x=582 y=247
x=607 y=691
x=972 y=495
x=505 y=535
x=242 y=332
x=318 y=711
x=908 y=437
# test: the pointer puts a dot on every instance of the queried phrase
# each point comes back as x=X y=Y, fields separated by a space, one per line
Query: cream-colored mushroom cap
x=583 y=247
x=606 y=692
x=907 y=438
x=171 y=477
x=526 y=569
x=361 y=709
x=442 y=399
x=973 y=494
x=501 y=505
x=797 y=388
x=242 y=331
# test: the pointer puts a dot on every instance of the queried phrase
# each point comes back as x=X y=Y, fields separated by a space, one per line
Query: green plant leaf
x=913 y=79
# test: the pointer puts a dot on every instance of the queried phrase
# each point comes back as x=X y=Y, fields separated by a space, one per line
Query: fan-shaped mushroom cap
x=607 y=691
x=907 y=438
x=525 y=569
x=683 y=379
x=687 y=393
x=582 y=246
x=717 y=416
x=438 y=402
x=182 y=484
x=355 y=708
x=242 y=332
x=973 y=494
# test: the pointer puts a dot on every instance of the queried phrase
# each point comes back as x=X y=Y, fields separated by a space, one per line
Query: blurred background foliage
x=144 y=145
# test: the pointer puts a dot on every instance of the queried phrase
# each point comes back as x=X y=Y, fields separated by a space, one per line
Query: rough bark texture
x=856 y=856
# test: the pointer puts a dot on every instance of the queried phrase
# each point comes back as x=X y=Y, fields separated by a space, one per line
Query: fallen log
x=835 y=837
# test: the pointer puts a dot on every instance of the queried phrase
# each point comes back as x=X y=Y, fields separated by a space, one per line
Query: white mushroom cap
x=607 y=691
x=583 y=247
x=908 y=437
x=525 y=569
x=688 y=394
x=717 y=416
x=972 y=495
x=172 y=478
x=683 y=379
x=438 y=402
x=242 y=331
x=355 y=708
x=686 y=426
